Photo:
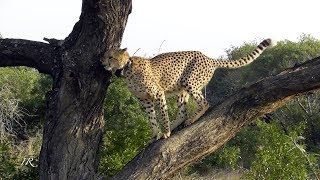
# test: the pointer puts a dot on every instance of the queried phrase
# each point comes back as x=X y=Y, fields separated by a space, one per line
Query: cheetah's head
x=115 y=59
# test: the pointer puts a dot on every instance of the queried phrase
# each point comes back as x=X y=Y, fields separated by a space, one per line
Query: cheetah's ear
x=124 y=49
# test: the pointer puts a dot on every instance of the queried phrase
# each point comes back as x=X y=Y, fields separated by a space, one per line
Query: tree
x=74 y=119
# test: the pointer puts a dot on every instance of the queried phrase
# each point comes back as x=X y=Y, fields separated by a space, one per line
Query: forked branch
x=163 y=158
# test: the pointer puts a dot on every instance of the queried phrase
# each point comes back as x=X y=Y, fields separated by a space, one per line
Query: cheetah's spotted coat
x=182 y=73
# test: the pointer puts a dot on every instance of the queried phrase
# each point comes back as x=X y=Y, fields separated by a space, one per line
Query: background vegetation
x=281 y=145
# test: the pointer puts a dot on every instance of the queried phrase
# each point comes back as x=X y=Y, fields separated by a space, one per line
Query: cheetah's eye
x=110 y=57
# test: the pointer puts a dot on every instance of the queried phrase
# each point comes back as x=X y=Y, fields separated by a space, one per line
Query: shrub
x=279 y=155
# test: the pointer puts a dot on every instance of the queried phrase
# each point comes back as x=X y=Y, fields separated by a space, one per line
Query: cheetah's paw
x=166 y=135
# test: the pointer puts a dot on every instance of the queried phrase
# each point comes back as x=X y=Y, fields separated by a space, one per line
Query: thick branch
x=18 y=52
x=162 y=159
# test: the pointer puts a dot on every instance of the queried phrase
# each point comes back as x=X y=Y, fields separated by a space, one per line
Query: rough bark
x=74 y=117
x=19 y=52
x=165 y=157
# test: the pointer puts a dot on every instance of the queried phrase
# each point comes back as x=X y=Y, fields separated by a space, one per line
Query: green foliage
x=303 y=109
x=127 y=128
x=226 y=158
x=246 y=140
x=29 y=87
x=25 y=89
x=12 y=157
x=284 y=55
x=278 y=155
x=238 y=151
x=7 y=166
x=229 y=156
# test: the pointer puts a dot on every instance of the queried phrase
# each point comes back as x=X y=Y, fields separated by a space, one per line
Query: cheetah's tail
x=248 y=58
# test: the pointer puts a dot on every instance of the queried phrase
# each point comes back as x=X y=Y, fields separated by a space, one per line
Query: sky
x=157 y=26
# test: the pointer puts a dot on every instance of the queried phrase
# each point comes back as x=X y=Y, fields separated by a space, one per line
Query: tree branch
x=17 y=52
x=165 y=157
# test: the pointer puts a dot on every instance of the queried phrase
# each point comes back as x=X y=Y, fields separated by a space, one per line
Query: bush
x=22 y=96
x=127 y=128
x=279 y=155
x=29 y=87
x=225 y=158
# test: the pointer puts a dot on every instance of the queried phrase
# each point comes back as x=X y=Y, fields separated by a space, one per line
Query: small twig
x=161 y=46
x=303 y=108
x=136 y=51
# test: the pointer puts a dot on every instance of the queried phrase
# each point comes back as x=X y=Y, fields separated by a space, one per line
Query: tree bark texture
x=74 y=117
x=165 y=157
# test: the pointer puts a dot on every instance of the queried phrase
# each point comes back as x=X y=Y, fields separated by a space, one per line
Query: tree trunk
x=74 y=117
x=162 y=159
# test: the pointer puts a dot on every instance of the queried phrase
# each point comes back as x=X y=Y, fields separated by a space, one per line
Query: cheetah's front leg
x=161 y=99
x=149 y=106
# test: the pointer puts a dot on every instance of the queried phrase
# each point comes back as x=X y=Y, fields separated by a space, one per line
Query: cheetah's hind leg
x=203 y=106
x=182 y=101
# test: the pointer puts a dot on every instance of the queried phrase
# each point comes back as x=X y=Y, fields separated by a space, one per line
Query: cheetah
x=183 y=74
